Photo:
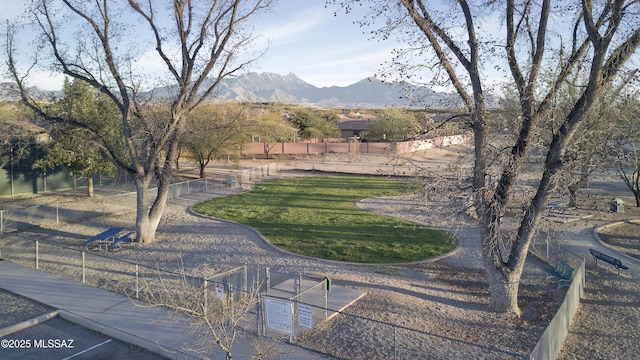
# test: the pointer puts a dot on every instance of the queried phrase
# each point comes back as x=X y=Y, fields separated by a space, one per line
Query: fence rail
x=550 y=343
x=63 y=210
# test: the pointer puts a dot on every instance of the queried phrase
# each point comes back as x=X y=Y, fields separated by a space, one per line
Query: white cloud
x=300 y=37
x=289 y=32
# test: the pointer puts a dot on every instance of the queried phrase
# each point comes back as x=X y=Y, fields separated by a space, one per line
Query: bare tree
x=218 y=317
x=622 y=144
x=199 y=42
x=449 y=41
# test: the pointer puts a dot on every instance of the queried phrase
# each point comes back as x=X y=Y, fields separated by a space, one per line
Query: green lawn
x=316 y=216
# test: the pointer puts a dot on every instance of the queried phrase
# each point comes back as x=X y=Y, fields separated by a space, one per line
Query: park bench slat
x=231 y=182
x=561 y=271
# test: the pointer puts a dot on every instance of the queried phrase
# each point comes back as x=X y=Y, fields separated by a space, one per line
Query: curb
x=27 y=323
x=124 y=336
x=596 y=235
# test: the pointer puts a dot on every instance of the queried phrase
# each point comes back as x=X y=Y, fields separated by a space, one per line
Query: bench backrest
x=604 y=257
x=563 y=268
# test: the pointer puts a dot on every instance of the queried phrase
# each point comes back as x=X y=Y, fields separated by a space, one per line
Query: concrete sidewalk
x=155 y=329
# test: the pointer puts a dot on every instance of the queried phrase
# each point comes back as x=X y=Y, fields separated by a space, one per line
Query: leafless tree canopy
x=217 y=319
x=544 y=48
x=110 y=45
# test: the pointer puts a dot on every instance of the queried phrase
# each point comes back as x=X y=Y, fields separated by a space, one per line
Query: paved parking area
x=61 y=339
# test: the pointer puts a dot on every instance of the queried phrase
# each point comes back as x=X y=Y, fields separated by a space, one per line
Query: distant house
x=441 y=117
x=353 y=127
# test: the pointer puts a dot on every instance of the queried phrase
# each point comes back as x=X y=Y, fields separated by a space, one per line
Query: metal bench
x=561 y=271
x=597 y=255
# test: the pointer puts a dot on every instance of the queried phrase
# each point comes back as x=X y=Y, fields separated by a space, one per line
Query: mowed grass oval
x=316 y=216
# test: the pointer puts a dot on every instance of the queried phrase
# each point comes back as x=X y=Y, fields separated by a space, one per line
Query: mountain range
x=290 y=89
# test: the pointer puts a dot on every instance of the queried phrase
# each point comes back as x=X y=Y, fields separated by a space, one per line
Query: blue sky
x=322 y=49
x=303 y=38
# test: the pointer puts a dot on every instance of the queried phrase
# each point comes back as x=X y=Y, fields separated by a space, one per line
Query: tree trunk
x=573 y=194
x=202 y=163
x=90 y=185
x=503 y=272
x=503 y=288
x=635 y=188
x=266 y=150
x=148 y=218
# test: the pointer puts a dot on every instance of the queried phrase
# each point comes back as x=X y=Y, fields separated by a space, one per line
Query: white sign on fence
x=279 y=314
x=305 y=316
x=220 y=291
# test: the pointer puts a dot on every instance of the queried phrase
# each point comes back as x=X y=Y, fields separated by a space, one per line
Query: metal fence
x=356 y=168
x=370 y=167
x=61 y=210
x=307 y=299
x=550 y=343
x=385 y=340
x=304 y=298
x=547 y=248
x=311 y=305
x=152 y=283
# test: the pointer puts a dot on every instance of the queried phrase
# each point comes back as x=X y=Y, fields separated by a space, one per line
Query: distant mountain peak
x=369 y=92
x=289 y=88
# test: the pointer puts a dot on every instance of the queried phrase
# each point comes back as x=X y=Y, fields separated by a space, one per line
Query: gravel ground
x=605 y=326
x=440 y=305
x=16 y=309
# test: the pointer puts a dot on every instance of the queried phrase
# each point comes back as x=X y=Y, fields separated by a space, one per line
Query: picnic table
x=126 y=238
x=104 y=238
x=231 y=182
